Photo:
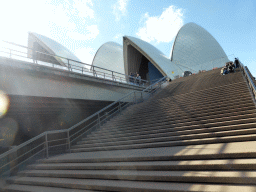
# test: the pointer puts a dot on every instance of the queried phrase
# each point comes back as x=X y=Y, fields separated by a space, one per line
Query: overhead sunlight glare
x=4 y=103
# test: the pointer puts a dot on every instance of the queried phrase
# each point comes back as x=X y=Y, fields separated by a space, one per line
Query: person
x=224 y=70
x=138 y=79
x=231 y=67
x=236 y=63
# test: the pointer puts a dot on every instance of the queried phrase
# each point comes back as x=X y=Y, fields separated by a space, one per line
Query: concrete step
x=173 y=113
x=31 y=188
x=190 y=121
x=208 y=93
x=188 y=109
x=224 y=177
x=208 y=115
x=135 y=186
x=204 y=96
x=176 y=137
x=232 y=150
x=169 y=120
x=173 y=132
x=165 y=127
x=168 y=108
x=225 y=139
x=192 y=165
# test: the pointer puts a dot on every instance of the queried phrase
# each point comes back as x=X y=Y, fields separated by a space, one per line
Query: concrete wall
x=23 y=78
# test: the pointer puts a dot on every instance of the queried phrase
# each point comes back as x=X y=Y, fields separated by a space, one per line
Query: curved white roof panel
x=133 y=47
x=196 y=49
x=110 y=56
x=52 y=47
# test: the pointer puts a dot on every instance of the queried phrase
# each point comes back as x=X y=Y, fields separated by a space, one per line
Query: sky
x=84 y=25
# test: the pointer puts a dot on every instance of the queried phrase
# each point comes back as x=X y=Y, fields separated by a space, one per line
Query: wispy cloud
x=119 y=35
x=84 y=8
x=161 y=28
x=119 y=9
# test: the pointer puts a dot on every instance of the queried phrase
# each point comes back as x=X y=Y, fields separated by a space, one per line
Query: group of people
x=135 y=78
x=230 y=67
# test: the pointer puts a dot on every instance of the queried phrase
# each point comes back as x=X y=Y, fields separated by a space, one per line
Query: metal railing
x=60 y=141
x=249 y=80
x=25 y=53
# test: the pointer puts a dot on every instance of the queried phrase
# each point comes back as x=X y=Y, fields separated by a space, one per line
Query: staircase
x=197 y=134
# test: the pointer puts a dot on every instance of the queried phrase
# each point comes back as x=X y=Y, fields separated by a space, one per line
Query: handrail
x=249 y=80
x=119 y=105
x=111 y=73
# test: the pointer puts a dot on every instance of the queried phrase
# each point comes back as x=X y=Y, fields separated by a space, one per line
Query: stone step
x=218 y=95
x=173 y=123
x=172 y=132
x=192 y=165
x=175 y=113
x=225 y=139
x=188 y=109
x=224 y=177
x=225 y=113
x=232 y=150
x=135 y=186
x=31 y=188
x=207 y=93
x=165 y=127
x=195 y=135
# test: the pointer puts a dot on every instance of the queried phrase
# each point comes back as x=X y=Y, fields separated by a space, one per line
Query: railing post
x=93 y=71
x=46 y=145
x=82 y=70
x=119 y=106
x=113 y=75
x=68 y=65
x=99 y=119
x=68 y=141
x=104 y=75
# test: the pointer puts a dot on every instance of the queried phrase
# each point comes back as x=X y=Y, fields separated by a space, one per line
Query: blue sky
x=84 y=25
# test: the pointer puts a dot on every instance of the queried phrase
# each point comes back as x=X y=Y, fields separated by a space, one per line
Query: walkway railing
x=249 y=80
x=15 y=51
x=60 y=141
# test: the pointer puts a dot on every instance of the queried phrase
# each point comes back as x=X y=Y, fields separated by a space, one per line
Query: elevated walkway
x=197 y=134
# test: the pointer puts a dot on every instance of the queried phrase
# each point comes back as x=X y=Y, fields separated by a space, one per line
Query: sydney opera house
x=194 y=49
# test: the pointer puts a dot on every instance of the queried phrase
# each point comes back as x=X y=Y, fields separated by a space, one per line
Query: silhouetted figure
x=138 y=79
x=231 y=67
x=236 y=62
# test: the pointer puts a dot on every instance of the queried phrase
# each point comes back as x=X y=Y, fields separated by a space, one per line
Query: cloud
x=161 y=28
x=84 y=8
x=91 y=33
x=119 y=35
x=85 y=54
x=119 y=9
